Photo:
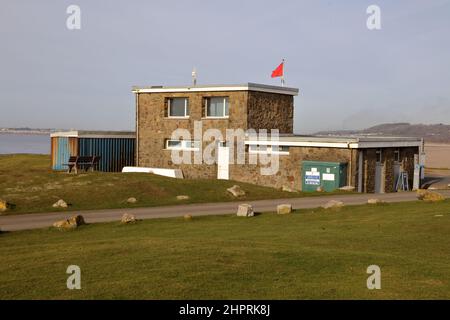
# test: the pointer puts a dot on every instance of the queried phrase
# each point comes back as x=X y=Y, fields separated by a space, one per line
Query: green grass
x=311 y=254
x=30 y=185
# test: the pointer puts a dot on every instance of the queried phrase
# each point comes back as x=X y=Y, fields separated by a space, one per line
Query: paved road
x=42 y=220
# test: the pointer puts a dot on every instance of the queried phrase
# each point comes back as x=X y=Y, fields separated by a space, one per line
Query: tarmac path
x=42 y=220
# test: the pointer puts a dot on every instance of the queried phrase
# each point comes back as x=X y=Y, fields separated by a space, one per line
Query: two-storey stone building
x=370 y=164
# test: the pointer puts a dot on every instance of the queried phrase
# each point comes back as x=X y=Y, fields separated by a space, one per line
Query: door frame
x=379 y=172
x=223 y=162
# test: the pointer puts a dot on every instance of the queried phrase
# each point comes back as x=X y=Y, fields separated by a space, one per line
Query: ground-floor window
x=379 y=155
x=255 y=148
x=193 y=145
x=397 y=155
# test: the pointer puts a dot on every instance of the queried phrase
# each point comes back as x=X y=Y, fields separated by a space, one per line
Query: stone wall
x=388 y=160
x=257 y=110
x=270 y=111
x=290 y=172
x=247 y=109
x=389 y=176
x=154 y=127
x=369 y=160
x=407 y=162
x=290 y=167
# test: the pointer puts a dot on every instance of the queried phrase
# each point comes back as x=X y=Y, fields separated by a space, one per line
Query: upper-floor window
x=178 y=108
x=217 y=107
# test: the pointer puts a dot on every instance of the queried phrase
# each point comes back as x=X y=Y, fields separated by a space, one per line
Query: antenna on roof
x=194 y=77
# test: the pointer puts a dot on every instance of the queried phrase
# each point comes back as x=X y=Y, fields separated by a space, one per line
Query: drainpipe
x=137 y=127
x=350 y=166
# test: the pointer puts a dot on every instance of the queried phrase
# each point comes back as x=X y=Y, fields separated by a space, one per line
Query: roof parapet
x=220 y=87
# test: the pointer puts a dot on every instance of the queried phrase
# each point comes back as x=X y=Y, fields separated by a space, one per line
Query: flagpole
x=282 y=76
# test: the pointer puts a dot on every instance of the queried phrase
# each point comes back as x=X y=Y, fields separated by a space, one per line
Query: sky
x=349 y=77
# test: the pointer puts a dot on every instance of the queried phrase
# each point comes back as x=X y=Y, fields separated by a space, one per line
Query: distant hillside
x=430 y=132
x=32 y=131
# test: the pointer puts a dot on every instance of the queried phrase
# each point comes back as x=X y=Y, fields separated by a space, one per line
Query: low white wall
x=172 y=173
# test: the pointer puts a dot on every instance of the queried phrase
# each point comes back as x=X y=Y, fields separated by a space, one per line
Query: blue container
x=61 y=153
x=115 y=153
x=61 y=149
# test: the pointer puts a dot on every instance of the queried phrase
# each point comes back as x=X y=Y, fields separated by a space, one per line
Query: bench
x=72 y=163
x=82 y=162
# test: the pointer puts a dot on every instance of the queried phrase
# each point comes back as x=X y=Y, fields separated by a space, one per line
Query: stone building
x=370 y=164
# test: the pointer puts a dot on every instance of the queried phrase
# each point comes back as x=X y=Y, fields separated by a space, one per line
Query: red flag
x=278 y=72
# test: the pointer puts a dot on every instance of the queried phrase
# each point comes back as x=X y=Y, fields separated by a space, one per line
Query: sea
x=24 y=143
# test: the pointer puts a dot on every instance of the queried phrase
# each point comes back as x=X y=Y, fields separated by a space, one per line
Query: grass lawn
x=27 y=182
x=306 y=255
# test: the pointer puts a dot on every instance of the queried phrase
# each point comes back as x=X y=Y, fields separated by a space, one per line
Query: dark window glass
x=178 y=107
x=217 y=107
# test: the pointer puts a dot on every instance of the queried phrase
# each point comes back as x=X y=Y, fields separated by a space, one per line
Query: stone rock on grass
x=245 y=210
x=284 y=208
x=421 y=193
x=78 y=220
x=333 y=204
x=347 y=188
x=374 y=201
x=429 y=196
x=4 y=205
x=187 y=217
x=128 y=218
x=131 y=200
x=60 y=204
x=236 y=191
x=70 y=223
x=182 y=197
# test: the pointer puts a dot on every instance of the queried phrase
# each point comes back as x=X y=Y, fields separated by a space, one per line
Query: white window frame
x=169 y=103
x=184 y=145
x=379 y=154
x=224 y=108
x=269 y=149
x=397 y=158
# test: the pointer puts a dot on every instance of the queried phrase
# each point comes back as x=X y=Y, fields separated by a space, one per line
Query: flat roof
x=218 y=87
x=351 y=142
x=94 y=134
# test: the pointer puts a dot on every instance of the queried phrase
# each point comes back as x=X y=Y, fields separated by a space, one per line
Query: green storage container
x=328 y=175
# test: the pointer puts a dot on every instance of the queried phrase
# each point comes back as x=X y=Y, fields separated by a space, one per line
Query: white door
x=223 y=154
x=379 y=178
x=416 y=178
